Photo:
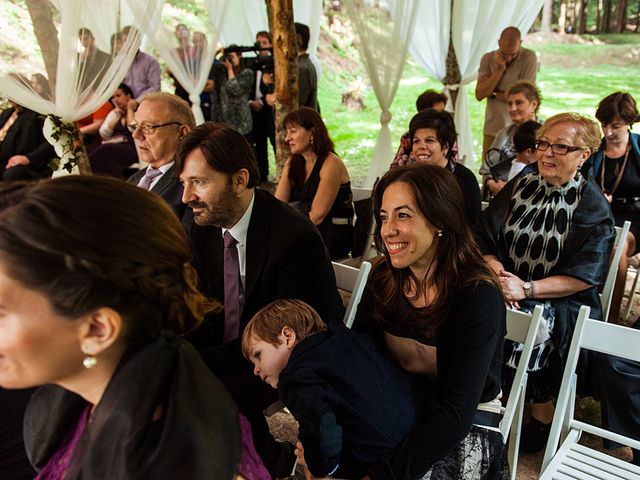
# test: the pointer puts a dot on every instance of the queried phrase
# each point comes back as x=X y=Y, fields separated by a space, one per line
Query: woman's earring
x=89 y=361
x=311 y=141
x=439 y=232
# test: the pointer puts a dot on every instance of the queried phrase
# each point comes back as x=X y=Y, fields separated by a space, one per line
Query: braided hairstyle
x=92 y=242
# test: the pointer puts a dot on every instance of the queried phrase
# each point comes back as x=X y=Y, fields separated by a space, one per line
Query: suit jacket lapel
x=165 y=180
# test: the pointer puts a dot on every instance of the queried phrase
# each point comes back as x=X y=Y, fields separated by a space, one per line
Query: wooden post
x=452 y=75
x=285 y=55
x=47 y=36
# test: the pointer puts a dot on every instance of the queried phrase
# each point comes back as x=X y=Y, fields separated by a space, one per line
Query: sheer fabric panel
x=382 y=34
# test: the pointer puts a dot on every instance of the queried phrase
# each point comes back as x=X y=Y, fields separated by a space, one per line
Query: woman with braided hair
x=96 y=290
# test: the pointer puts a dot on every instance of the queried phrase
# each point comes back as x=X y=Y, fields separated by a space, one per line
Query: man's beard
x=221 y=213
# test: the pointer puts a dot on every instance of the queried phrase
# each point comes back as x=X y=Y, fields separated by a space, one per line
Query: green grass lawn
x=569 y=81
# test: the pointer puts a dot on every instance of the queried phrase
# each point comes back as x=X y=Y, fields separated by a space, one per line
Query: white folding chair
x=522 y=327
x=632 y=292
x=564 y=457
x=607 y=290
x=353 y=280
x=360 y=193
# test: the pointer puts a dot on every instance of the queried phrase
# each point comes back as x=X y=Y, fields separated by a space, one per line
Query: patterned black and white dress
x=535 y=233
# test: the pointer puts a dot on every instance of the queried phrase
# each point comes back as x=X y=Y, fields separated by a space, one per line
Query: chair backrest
x=352 y=280
x=600 y=337
x=360 y=193
x=522 y=327
x=607 y=289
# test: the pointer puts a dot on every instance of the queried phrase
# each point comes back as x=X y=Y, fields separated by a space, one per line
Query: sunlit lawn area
x=578 y=86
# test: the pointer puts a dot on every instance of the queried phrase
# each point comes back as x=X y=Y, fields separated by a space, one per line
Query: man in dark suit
x=159 y=123
x=249 y=249
x=264 y=129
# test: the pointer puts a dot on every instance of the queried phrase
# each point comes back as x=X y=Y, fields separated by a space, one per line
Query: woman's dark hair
x=618 y=104
x=235 y=49
x=125 y=89
x=441 y=122
x=429 y=98
x=44 y=86
x=92 y=242
x=458 y=261
x=322 y=145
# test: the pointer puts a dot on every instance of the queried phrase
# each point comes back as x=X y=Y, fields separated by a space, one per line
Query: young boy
x=352 y=405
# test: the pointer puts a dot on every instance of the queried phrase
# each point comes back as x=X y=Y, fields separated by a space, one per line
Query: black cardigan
x=341 y=390
x=469 y=358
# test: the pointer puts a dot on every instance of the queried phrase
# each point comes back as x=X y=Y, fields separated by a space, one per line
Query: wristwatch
x=528 y=289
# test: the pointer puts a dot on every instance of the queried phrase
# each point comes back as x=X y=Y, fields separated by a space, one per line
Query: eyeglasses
x=146 y=128
x=556 y=148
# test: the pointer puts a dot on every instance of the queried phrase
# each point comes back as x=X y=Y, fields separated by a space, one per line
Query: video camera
x=257 y=62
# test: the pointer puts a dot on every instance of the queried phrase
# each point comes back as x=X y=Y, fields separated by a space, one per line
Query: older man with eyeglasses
x=159 y=123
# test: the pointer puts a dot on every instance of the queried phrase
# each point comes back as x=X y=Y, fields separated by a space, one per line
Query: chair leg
x=632 y=294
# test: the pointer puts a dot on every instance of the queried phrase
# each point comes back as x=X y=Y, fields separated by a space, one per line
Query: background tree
x=285 y=55
x=547 y=15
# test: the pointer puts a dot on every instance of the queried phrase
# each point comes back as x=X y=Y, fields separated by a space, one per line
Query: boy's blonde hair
x=267 y=324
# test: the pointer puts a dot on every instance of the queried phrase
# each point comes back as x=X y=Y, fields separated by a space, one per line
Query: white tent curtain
x=383 y=33
x=476 y=29
x=189 y=63
x=85 y=78
x=430 y=40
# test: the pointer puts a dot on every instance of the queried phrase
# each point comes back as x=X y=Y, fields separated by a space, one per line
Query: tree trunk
x=47 y=36
x=583 y=6
x=621 y=16
x=571 y=17
x=638 y=18
x=606 y=17
x=285 y=55
x=599 y=16
x=547 y=15
x=562 y=17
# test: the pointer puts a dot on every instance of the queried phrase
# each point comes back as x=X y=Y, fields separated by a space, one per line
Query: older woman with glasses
x=547 y=235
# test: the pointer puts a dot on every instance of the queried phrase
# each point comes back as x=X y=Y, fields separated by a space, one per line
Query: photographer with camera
x=235 y=91
x=261 y=108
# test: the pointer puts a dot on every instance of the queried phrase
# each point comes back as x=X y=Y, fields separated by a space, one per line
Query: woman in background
x=316 y=181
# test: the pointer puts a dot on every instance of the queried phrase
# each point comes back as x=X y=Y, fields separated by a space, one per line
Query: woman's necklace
x=618 y=176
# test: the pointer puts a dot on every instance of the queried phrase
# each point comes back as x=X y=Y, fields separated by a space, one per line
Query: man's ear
x=100 y=330
x=240 y=180
x=183 y=130
x=290 y=337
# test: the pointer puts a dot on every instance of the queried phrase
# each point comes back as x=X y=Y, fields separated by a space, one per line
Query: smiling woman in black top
x=435 y=308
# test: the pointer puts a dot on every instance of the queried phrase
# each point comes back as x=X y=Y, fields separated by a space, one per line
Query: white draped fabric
x=85 y=77
x=475 y=28
x=383 y=34
x=190 y=64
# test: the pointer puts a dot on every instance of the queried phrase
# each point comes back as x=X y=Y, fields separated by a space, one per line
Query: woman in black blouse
x=548 y=235
x=431 y=300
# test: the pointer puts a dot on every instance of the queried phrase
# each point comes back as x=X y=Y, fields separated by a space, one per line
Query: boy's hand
x=299 y=451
